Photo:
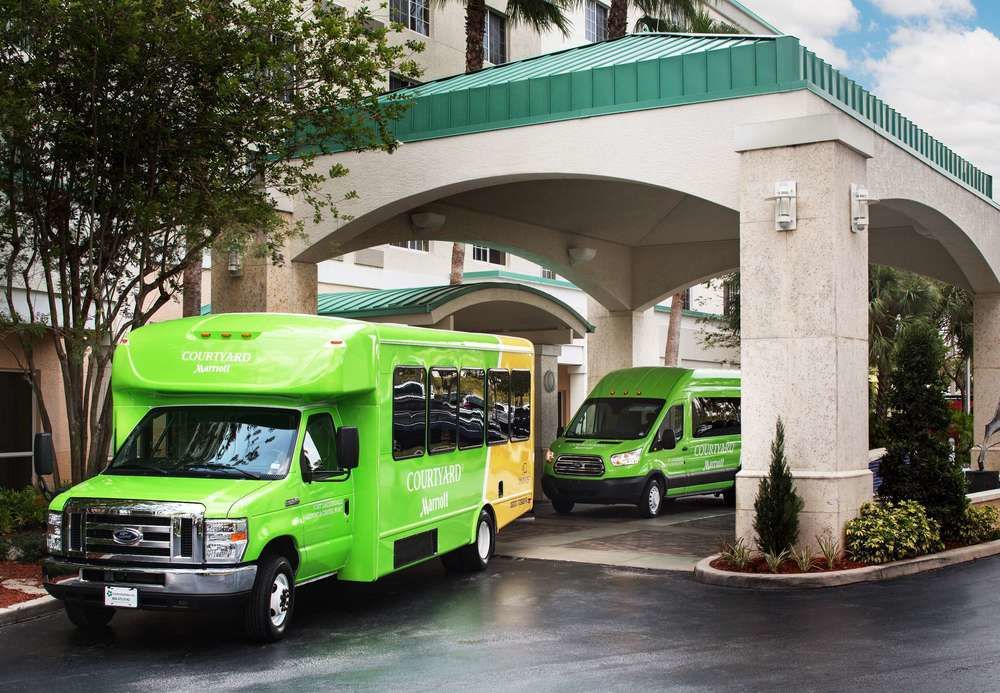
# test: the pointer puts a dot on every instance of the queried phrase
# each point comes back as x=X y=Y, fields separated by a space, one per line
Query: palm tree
x=666 y=12
x=539 y=15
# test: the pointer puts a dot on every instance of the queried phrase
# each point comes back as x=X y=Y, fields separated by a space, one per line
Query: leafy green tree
x=136 y=134
x=917 y=465
x=777 y=506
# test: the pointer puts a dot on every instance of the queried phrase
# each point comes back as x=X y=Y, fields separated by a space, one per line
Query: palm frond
x=541 y=14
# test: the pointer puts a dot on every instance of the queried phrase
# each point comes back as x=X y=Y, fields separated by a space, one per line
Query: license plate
x=121 y=596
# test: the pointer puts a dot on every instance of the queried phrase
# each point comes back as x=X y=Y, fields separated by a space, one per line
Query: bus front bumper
x=157 y=587
x=625 y=490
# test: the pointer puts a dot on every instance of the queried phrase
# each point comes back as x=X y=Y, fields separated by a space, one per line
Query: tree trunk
x=475 y=26
x=672 y=351
x=457 y=263
x=192 y=287
x=617 y=19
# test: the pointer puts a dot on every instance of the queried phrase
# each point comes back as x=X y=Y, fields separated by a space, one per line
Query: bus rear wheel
x=271 y=601
x=474 y=557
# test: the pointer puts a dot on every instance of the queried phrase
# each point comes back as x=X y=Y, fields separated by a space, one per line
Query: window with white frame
x=484 y=254
x=422 y=246
x=495 y=38
x=596 y=21
x=413 y=14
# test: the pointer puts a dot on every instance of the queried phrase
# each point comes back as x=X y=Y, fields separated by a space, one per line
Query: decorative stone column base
x=545 y=402
x=831 y=500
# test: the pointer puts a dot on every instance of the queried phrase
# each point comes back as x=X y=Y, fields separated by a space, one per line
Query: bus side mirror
x=43 y=455
x=668 y=441
x=348 y=447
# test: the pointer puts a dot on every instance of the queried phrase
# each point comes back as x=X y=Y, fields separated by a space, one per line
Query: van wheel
x=474 y=557
x=88 y=617
x=729 y=496
x=563 y=507
x=652 y=499
x=272 y=600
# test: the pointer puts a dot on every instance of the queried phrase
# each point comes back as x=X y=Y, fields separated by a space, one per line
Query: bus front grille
x=135 y=531
x=579 y=465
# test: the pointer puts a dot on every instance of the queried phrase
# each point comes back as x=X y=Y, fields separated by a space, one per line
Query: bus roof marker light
x=226 y=335
x=206 y=334
x=246 y=335
x=337 y=341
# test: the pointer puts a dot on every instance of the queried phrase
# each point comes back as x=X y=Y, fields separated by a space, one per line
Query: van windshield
x=221 y=442
x=614 y=417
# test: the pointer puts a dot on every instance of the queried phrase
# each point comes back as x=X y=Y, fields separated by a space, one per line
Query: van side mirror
x=667 y=441
x=348 y=447
x=43 y=454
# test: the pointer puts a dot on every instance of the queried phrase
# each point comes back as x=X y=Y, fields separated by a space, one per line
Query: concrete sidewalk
x=688 y=530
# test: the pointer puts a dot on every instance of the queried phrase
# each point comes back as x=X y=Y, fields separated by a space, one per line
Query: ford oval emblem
x=129 y=536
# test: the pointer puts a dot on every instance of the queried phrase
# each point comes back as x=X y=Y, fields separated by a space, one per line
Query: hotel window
x=686 y=299
x=397 y=82
x=413 y=14
x=548 y=274
x=484 y=254
x=495 y=38
x=422 y=246
x=596 y=21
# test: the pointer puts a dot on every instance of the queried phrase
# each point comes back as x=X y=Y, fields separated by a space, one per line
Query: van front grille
x=579 y=465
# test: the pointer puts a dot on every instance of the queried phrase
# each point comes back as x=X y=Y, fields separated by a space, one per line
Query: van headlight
x=624 y=459
x=225 y=540
x=53 y=533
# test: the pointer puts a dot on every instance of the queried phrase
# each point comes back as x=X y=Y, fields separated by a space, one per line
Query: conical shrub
x=777 y=506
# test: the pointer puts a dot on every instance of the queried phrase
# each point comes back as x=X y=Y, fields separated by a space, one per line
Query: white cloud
x=937 y=76
x=814 y=23
x=932 y=9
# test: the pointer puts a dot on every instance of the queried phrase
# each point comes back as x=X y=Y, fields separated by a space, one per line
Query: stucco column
x=545 y=417
x=985 y=372
x=804 y=334
x=621 y=339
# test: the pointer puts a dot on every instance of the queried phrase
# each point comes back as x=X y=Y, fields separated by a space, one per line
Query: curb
x=703 y=572
x=29 y=610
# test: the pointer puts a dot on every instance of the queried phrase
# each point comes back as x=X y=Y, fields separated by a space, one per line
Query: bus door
x=671 y=461
x=325 y=505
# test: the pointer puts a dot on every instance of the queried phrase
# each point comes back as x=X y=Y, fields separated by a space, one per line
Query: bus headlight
x=53 y=533
x=624 y=459
x=225 y=540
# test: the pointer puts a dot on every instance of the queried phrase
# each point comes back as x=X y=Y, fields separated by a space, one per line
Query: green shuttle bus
x=257 y=452
x=646 y=435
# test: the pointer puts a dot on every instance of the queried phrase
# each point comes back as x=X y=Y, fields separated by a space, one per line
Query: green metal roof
x=657 y=70
x=424 y=299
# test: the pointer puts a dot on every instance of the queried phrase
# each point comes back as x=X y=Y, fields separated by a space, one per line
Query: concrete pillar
x=804 y=334
x=985 y=372
x=262 y=286
x=621 y=339
x=545 y=417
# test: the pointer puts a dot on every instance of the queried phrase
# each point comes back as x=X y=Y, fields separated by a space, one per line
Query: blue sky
x=936 y=61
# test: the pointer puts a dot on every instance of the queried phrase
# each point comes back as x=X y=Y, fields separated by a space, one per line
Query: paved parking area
x=688 y=530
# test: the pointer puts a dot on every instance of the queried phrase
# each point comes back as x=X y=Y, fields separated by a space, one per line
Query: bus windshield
x=221 y=442
x=615 y=417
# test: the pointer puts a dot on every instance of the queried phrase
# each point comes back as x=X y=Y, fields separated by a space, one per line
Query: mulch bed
x=9 y=570
x=789 y=567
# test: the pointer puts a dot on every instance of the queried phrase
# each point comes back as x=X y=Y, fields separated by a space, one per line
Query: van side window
x=471 y=408
x=319 y=447
x=442 y=412
x=520 y=400
x=715 y=416
x=409 y=406
x=674 y=420
x=498 y=406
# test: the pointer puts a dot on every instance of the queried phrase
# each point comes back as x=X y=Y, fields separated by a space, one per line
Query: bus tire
x=562 y=506
x=729 y=496
x=272 y=600
x=88 y=616
x=474 y=557
x=651 y=501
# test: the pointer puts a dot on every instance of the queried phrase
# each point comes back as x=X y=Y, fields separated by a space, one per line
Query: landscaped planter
x=704 y=572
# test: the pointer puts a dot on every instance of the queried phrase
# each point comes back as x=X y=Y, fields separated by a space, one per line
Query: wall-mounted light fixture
x=235 y=264
x=426 y=221
x=579 y=255
x=784 y=205
x=860 y=199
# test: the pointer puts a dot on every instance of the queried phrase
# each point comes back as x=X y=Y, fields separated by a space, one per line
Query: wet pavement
x=541 y=626
x=686 y=531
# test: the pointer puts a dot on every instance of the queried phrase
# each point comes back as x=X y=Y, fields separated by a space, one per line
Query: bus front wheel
x=652 y=499
x=474 y=557
x=89 y=617
x=271 y=601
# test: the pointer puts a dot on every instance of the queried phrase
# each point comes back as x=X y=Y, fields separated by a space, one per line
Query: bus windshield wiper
x=137 y=467
x=220 y=467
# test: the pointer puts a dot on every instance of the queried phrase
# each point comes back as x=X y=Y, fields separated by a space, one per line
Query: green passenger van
x=645 y=435
x=256 y=453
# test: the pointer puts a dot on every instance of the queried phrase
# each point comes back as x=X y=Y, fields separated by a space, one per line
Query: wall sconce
x=235 y=264
x=578 y=256
x=860 y=199
x=784 y=205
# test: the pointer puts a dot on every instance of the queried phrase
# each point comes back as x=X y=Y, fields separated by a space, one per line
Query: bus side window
x=715 y=416
x=498 y=406
x=471 y=408
x=319 y=447
x=520 y=400
x=442 y=413
x=409 y=407
x=674 y=420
